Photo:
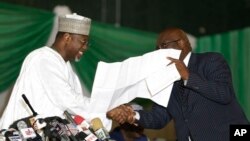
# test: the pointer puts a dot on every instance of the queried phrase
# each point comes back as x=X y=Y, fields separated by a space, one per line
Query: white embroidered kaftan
x=50 y=85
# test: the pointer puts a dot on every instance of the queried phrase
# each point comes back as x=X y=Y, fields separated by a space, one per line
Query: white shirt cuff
x=137 y=115
x=185 y=82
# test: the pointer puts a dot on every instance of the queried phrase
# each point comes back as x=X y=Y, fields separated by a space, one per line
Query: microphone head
x=96 y=124
x=99 y=130
x=27 y=132
x=21 y=125
x=11 y=135
x=78 y=119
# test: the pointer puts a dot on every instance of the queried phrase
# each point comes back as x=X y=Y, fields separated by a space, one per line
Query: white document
x=147 y=76
x=161 y=79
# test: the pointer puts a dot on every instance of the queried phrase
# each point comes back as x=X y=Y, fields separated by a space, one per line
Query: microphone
x=50 y=131
x=25 y=131
x=81 y=135
x=38 y=124
x=71 y=120
x=28 y=103
x=2 y=137
x=56 y=130
x=81 y=121
x=83 y=124
x=12 y=135
x=77 y=136
x=99 y=129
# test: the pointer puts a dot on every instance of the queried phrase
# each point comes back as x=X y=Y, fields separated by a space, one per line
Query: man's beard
x=78 y=56
x=77 y=59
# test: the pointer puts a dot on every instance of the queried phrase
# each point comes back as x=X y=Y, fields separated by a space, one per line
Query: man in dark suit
x=202 y=104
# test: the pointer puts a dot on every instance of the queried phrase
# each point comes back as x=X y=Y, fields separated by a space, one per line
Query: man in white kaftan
x=50 y=85
x=47 y=78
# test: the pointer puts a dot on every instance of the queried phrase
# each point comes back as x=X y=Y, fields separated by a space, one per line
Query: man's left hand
x=181 y=67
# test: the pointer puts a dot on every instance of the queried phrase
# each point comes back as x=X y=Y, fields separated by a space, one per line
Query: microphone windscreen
x=21 y=125
x=99 y=130
x=96 y=124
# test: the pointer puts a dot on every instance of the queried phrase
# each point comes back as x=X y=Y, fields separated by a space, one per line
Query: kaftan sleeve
x=62 y=87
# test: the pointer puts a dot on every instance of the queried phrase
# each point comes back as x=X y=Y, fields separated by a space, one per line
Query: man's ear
x=66 y=37
x=180 y=43
x=186 y=43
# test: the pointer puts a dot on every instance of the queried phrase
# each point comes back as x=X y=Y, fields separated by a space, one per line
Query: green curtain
x=111 y=44
x=235 y=46
x=22 y=30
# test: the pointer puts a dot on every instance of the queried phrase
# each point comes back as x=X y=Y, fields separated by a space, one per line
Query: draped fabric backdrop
x=235 y=46
x=24 y=29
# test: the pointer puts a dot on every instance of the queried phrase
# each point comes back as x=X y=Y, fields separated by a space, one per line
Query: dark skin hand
x=121 y=114
x=181 y=67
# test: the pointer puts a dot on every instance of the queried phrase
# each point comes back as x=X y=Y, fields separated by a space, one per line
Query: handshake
x=121 y=114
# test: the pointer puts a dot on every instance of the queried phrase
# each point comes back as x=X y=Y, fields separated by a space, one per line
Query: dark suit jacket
x=207 y=106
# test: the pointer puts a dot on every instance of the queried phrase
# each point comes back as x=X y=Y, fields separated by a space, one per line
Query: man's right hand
x=121 y=114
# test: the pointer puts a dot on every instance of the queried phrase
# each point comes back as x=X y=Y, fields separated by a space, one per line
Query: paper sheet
x=146 y=76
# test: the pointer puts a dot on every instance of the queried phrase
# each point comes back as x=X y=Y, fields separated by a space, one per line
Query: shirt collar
x=187 y=58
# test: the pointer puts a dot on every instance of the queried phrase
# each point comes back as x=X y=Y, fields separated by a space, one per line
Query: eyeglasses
x=84 y=45
x=83 y=42
x=165 y=44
